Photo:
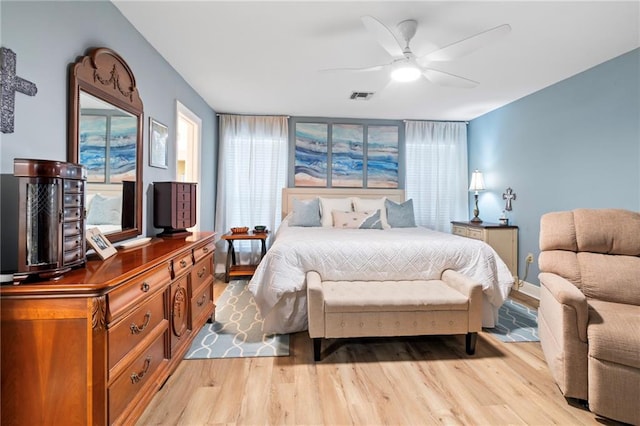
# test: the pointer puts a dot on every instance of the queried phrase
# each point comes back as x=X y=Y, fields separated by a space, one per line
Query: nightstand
x=232 y=269
x=503 y=239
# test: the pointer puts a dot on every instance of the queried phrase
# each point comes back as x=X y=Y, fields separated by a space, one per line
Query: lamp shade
x=477 y=181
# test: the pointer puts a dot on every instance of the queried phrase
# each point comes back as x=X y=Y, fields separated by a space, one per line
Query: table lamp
x=477 y=184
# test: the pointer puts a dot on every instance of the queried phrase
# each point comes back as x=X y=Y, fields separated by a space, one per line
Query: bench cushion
x=391 y=296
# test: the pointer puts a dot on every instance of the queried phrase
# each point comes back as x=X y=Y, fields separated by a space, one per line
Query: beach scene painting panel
x=347 y=156
x=311 y=168
x=122 y=148
x=382 y=157
x=93 y=146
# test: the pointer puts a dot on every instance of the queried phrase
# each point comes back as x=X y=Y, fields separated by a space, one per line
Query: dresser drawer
x=72 y=228
x=184 y=187
x=182 y=264
x=73 y=200
x=137 y=289
x=201 y=273
x=72 y=185
x=73 y=213
x=73 y=242
x=73 y=256
x=135 y=377
x=201 y=303
x=201 y=252
x=132 y=329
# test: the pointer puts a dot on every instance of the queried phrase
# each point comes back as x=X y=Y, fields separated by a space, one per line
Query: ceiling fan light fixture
x=405 y=72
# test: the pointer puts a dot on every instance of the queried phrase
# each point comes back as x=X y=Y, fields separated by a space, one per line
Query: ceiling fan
x=406 y=66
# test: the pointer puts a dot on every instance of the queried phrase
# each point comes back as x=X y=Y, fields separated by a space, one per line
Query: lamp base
x=476 y=220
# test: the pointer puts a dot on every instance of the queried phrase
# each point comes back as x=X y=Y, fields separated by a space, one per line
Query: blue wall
x=47 y=36
x=574 y=144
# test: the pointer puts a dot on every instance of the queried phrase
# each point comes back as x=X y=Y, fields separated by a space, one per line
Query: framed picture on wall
x=158 y=144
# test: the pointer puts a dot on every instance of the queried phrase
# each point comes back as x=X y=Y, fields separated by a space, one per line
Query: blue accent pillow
x=305 y=213
x=400 y=215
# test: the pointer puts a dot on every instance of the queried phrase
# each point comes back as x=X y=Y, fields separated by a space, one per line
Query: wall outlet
x=529 y=258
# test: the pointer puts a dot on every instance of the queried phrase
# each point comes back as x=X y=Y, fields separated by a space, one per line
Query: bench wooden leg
x=471 y=342
x=317 y=345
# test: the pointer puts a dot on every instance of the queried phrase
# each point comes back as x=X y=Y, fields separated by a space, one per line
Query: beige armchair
x=589 y=316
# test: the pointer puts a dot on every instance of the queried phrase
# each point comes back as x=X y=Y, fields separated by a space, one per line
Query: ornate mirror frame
x=105 y=75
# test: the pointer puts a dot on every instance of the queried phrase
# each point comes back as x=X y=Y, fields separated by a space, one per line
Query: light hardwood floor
x=399 y=381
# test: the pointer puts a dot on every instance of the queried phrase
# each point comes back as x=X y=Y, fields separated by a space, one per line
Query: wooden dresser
x=94 y=346
x=503 y=239
x=174 y=207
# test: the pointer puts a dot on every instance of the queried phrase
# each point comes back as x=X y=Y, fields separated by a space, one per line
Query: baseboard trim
x=529 y=289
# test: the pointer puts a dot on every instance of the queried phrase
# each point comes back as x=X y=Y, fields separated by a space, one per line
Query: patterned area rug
x=516 y=323
x=237 y=331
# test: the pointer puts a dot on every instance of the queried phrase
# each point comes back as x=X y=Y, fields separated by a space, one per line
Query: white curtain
x=436 y=172
x=252 y=170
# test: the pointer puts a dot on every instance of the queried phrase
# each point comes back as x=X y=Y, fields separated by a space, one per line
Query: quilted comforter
x=279 y=284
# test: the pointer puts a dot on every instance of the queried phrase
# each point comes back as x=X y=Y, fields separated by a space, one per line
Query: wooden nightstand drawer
x=476 y=234
x=459 y=230
x=502 y=238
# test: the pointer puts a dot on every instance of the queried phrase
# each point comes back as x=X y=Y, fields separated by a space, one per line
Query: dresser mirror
x=105 y=136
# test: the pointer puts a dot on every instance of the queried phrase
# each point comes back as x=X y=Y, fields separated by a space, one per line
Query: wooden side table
x=232 y=269
x=503 y=239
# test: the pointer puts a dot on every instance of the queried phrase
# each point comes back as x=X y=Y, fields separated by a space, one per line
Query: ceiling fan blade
x=364 y=69
x=383 y=35
x=466 y=46
x=445 y=79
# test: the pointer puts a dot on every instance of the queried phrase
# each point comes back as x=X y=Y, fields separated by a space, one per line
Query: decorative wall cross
x=10 y=84
x=508 y=195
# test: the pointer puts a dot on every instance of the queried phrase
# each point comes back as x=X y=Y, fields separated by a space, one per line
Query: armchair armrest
x=567 y=294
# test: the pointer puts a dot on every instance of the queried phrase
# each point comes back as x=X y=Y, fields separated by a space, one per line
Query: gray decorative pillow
x=400 y=215
x=305 y=213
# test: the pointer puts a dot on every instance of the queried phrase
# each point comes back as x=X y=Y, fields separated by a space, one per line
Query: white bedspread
x=279 y=284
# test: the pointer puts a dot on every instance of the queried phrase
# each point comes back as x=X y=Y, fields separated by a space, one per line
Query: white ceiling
x=264 y=57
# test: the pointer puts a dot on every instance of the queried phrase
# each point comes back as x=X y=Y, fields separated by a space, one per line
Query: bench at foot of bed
x=450 y=305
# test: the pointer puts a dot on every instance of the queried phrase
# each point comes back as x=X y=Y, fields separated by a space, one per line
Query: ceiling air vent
x=361 y=96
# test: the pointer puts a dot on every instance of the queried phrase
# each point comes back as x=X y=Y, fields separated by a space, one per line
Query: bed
x=412 y=253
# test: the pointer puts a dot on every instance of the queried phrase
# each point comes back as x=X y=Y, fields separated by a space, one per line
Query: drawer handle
x=145 y=287
x=205 y=249
x=137 y=330
x=201 y=301
x=136 y=377
x=183 y=263
x=201 y=272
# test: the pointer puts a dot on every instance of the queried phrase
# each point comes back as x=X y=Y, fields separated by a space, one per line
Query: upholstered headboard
x=288 y=194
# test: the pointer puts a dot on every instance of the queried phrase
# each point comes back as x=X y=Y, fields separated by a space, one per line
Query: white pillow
x=327 y=205
x=357 y=220
x=372 y=204
x=104 y=210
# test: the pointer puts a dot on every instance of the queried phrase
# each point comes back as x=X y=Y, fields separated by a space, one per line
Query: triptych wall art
x=346 y=155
